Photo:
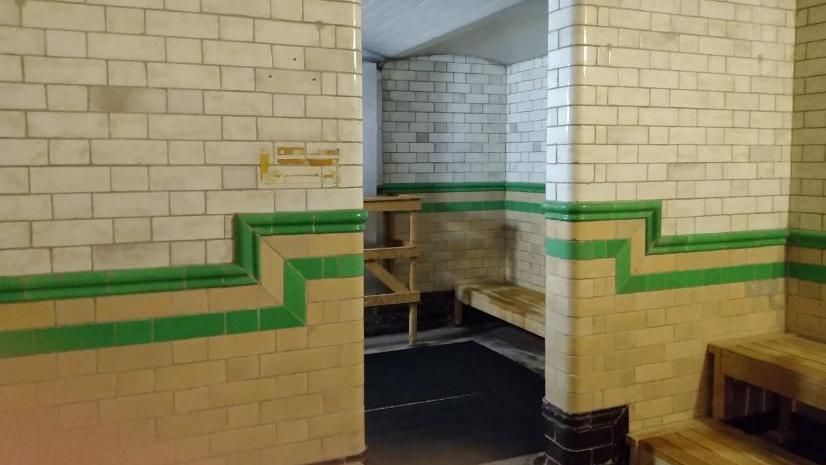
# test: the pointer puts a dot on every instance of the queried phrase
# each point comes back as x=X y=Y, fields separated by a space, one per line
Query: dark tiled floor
x=456 y=404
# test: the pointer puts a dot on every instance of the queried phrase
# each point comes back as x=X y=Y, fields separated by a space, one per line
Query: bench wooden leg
x=412 y=328
x=784 y=433
x=718 y=400
x=458 y=308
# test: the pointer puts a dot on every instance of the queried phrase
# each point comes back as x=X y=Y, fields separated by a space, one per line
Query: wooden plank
x=384 y=253
x=769 y=376
x=795 y=362
x=738 y=455
x=703 y=442
x=700 y=450
x=738 y=442
x=718 y=398
x=809 y=350
x=391 y=299
x=671 y=453
x=793 y=365
x=386 y=278
x=396 y=203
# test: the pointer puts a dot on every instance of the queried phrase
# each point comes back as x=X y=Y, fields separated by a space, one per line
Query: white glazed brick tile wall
x=130 y=131
x=808 y=188
x=683 y=100
x=527 y=121
x=525 y=162
x=443 y=120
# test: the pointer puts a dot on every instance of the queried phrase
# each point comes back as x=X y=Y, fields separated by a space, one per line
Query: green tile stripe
x=436 y=187
x=244 y=271
x=102 y=335
x=808 y=239
x=656 y=244
x=626 y=283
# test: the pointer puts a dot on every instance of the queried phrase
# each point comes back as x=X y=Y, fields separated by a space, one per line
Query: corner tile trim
x=247 y=228
x=90 y=336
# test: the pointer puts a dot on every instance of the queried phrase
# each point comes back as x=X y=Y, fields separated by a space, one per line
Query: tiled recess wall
x=443 y=120
x=681 y=100
x=457 y=245
x=527 y=116
x=806 y=312
x=527 y=121
x=131 y=130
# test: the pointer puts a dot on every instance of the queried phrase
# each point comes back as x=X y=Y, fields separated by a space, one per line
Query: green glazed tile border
x=626 y=283
x=808 y=239
x=656 y=243
x=246 y=230
x=651 y=212
x=102 y=335
x=435 y=187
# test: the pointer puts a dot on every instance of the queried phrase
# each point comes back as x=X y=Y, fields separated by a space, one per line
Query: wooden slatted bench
x=704 y=442
x=786 y=364
x=519 y=306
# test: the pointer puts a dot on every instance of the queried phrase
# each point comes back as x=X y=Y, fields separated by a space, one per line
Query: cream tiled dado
x=136 y=128
x=130 y=139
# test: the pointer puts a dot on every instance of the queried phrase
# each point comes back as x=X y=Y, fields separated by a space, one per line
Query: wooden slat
x=395 y=203
x=796 y=366
x=774 y=378
x=384 y=253
x=519 y=306
x=386 y=278
x=702 y=442
x=391 y=299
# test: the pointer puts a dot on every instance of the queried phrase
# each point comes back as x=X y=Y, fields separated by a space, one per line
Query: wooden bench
x=519 y=306
x=786 y=364
x=704 y=442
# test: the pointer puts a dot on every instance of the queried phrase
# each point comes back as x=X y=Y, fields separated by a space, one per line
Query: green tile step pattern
x=656 y=244
x=291 y=314
x=247 y=228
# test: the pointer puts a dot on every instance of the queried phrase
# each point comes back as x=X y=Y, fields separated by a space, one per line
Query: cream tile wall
x=289 y=397
x=527 y=115
x=527 y=121
x=131 y=130
x=443 y=120
x=646 y=350
x=684 y=101
x=688 y=101
x=808 y=208
x=806 y=313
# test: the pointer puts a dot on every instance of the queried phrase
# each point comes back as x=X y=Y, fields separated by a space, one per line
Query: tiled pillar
x=668 y=147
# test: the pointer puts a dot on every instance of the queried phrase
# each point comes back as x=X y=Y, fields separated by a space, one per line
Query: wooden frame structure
x=380 y=261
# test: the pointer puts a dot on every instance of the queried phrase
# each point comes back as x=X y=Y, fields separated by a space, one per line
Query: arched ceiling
x=505 y=31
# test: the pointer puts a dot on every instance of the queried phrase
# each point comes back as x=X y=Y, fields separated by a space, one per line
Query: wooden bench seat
x=519 y=306
x=789 y=365
x=704 y=442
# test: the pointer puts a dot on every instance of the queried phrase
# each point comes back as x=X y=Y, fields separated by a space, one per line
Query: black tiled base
x=593 y=438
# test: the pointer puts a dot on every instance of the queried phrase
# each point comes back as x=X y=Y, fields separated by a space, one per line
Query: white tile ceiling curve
x=392 y=27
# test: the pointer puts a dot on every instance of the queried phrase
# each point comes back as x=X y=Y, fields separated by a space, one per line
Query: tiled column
x=668 y=149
